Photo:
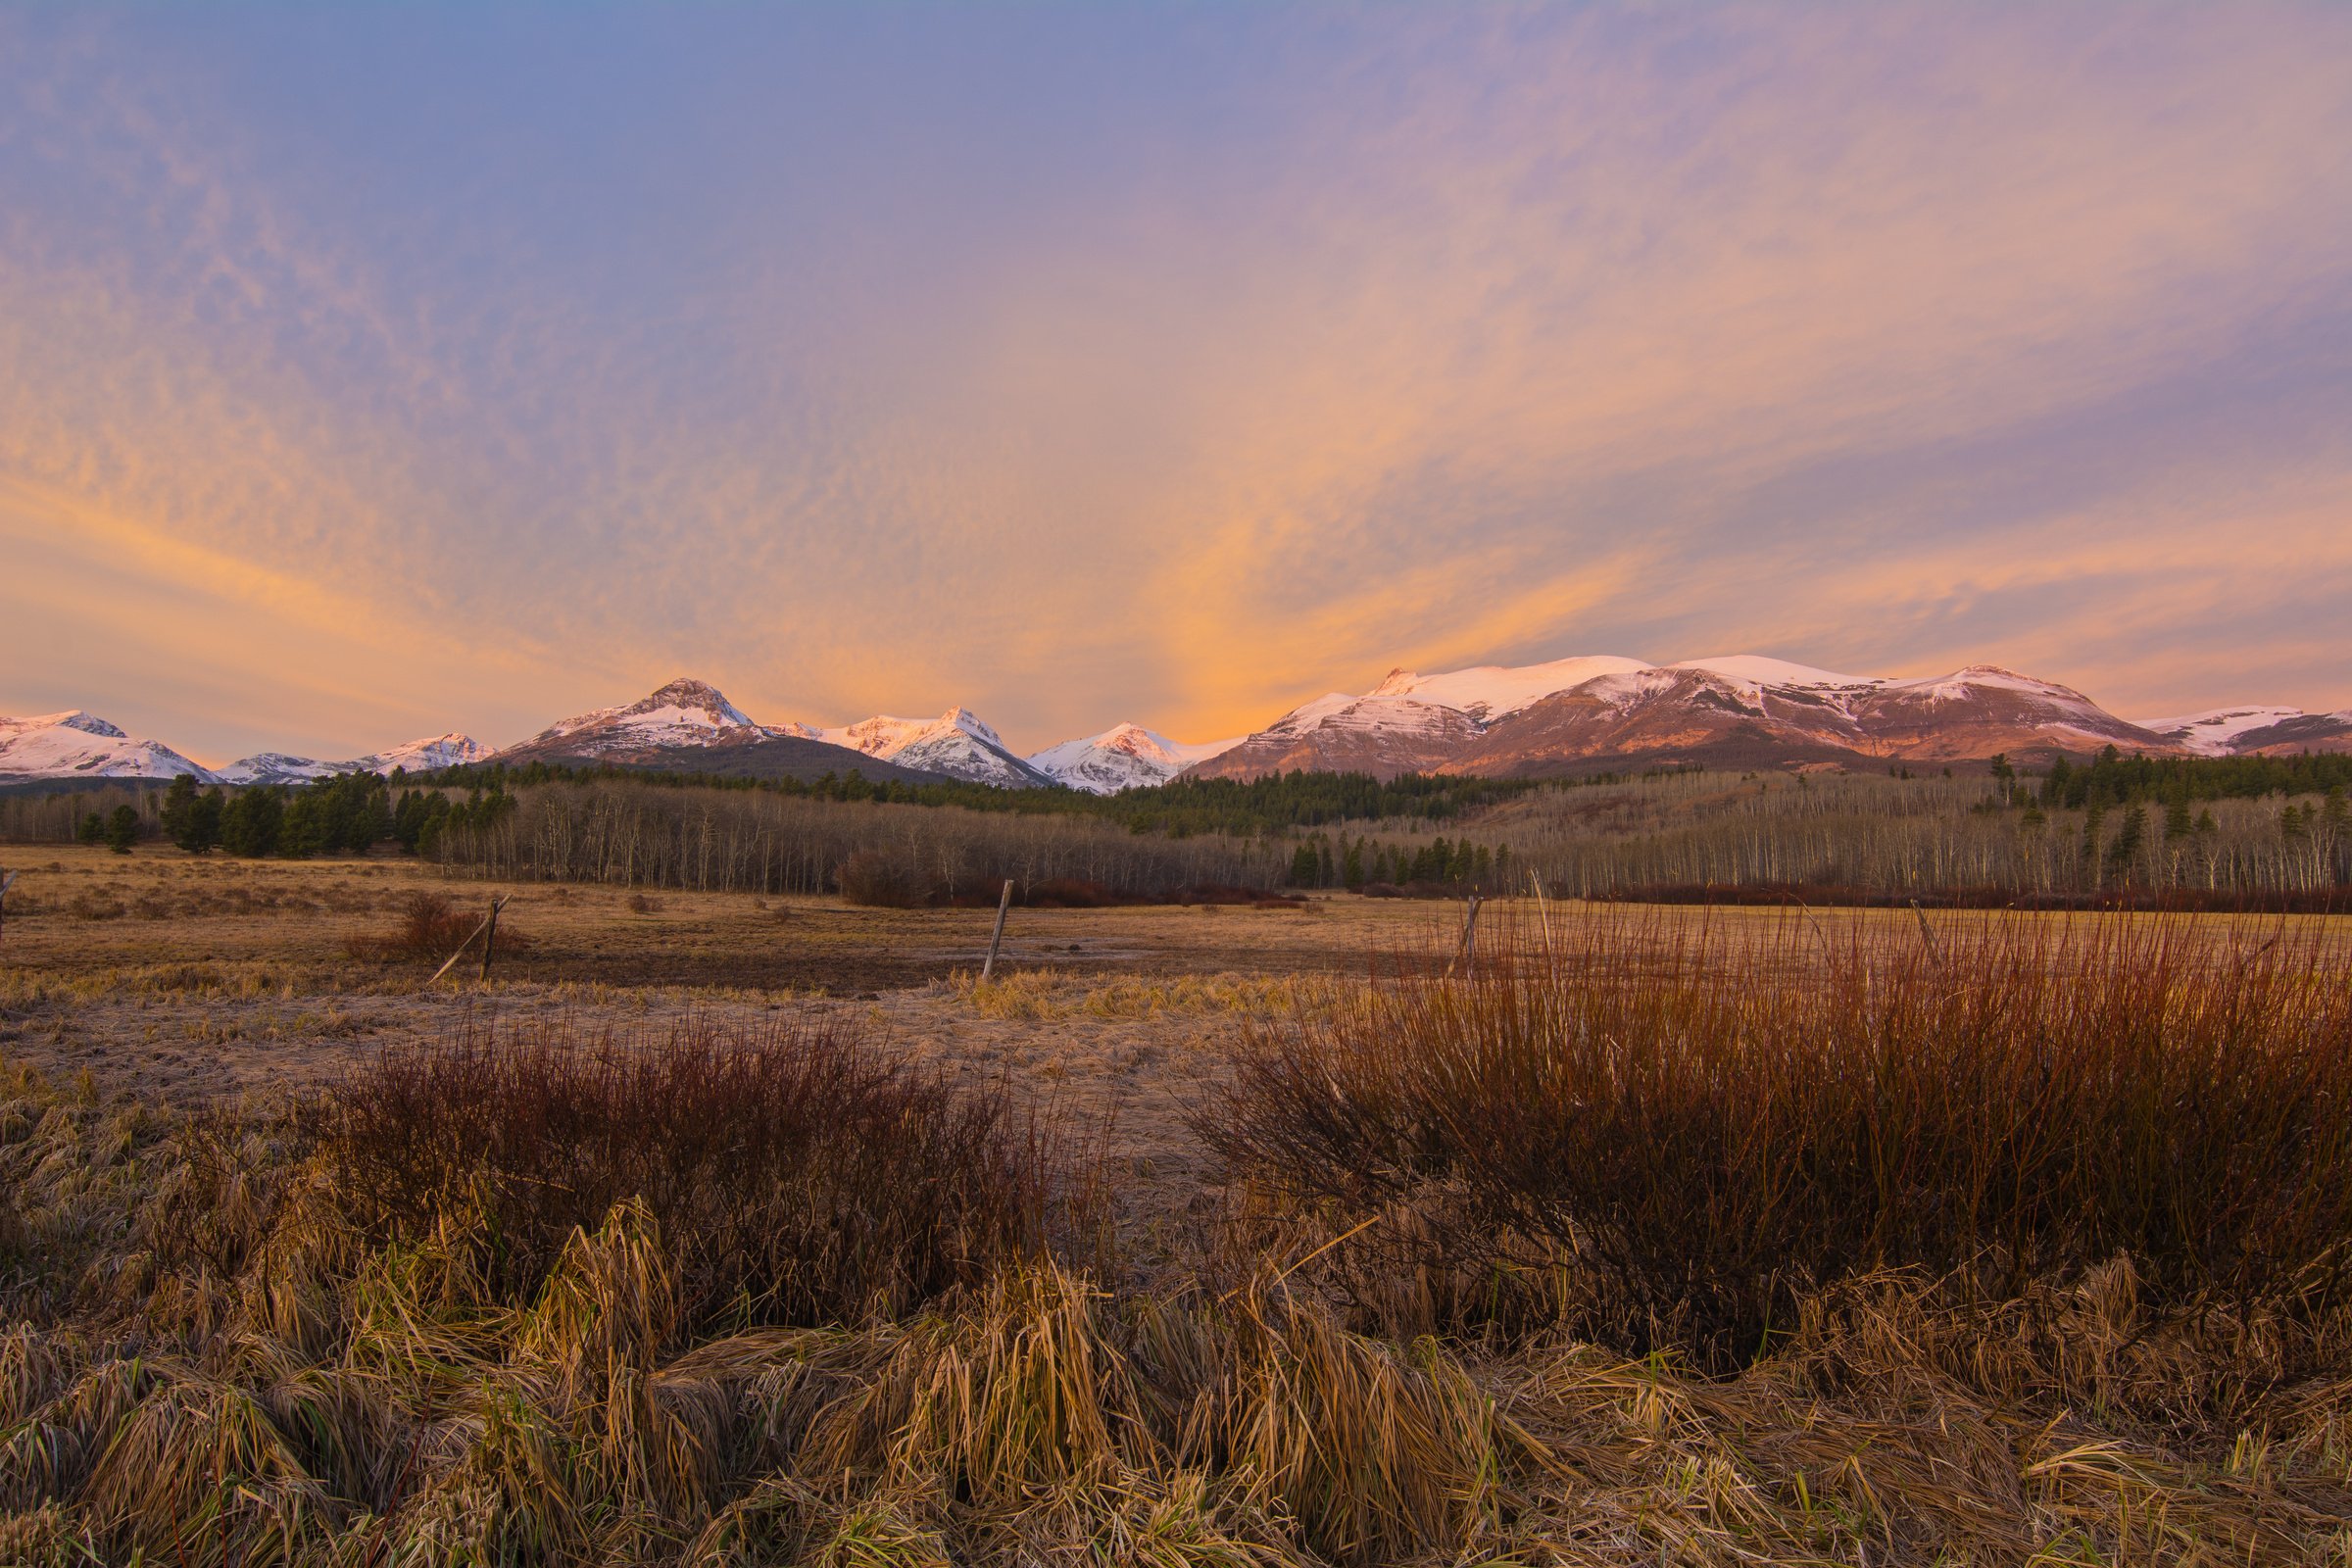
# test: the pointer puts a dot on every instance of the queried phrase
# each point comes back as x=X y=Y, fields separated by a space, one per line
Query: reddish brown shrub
x=879 y=881
x=799 y=1174
x=429 y=929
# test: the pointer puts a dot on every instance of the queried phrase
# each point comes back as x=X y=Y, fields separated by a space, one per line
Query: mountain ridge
x=1734 y=710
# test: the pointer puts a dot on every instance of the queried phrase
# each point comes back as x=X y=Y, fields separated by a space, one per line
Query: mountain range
x=1568 y=717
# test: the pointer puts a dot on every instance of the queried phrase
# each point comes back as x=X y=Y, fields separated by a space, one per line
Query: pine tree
x=2176 y=815
x=192 y=820
x=250 y=823
x=179 y=806
x=123 y=829
x=1304 y=866
x=1353 y=870
x=93 y=829
x=2129 y=839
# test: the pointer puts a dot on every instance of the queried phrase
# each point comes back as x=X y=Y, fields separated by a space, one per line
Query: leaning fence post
x=490 y=934
x=483 y=929
x=1927 y=934
x=1468 y=956
x=996 y=937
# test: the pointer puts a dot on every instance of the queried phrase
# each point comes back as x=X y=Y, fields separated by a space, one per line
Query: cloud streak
x=1165 y=364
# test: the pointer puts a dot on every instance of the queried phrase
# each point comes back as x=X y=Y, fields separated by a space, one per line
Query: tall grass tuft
x=801 y=1174
x=1687 y=1133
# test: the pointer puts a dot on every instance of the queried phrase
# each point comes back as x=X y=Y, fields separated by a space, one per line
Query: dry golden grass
x=202 y=1364
x=272 y=1389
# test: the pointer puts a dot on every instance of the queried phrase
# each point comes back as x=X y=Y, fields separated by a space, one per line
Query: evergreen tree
x=179 y=806
x=2177 y=824
x=2129 y=839
x=1352 y=868
x=250 y=823
x=1305 y=864
x=123 y=829
x=2093 y=822
x=93 y=829
x=192 y=820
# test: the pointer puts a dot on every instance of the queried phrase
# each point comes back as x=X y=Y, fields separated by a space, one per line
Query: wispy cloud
x=1164 y=365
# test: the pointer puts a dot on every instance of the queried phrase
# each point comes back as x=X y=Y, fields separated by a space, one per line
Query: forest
x=2109 y=825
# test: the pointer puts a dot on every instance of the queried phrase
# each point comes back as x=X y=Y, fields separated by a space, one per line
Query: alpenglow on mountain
x=1564 y=717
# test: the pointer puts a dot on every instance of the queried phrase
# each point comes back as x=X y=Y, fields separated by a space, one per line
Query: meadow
x=734 y=1228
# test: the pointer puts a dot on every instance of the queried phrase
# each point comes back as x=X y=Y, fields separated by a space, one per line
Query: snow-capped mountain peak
x=1123 y=757
x=959 y=743
x=87 y=723
x=674 y=714
x=76 y=744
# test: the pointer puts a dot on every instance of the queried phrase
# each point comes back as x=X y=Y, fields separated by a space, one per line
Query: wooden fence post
x=997 y=937
x=490 y=934
x=8 y=879
x=488 y=924
x=1468 y=956
x=1551 y=958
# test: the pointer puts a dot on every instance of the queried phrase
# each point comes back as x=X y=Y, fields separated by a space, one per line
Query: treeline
x=1864 y=831
x=1180 y=806
x=346 y=813
x=633 y=832
x=2112 y=779
x=1366 y=863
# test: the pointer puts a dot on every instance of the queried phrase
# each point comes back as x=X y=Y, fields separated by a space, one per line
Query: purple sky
x=370 y=372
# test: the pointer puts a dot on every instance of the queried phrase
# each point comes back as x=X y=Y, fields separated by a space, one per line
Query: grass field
x=232 y=1345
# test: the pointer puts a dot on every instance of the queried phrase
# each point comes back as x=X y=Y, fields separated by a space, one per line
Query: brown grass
x=217 y=1351
x=1688 y=1138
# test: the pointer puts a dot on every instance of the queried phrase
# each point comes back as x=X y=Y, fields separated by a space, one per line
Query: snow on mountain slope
x=422 y=757
x=418 y=757
x=2297 y=733
x=1736 y=710
x=1490 y=691
x=2215 y=733
x=1380 y=735
x=1984 y=709
x=958 y=742
x=277 y=768
x=1124 y=757
x=80 y=745
x=1754 y=669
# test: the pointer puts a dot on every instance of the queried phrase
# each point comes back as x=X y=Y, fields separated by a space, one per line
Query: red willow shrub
x=430 y=928
x=799 y=1174
x=1706 y=1126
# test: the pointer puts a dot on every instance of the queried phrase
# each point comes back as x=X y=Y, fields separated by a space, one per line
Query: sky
x=371 y=371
